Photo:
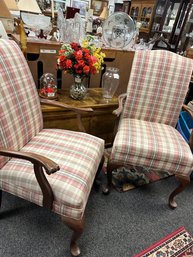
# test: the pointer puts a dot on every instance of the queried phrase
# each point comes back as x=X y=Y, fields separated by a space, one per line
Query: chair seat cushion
x=78 y=155
x=152 y=145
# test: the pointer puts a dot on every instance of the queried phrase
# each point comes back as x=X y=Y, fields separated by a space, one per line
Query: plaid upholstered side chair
x=52 y=168
x=148 y=113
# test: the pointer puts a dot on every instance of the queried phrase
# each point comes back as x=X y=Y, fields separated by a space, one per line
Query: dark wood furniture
x=170 y=19
x=142 y=11
x=100 y=122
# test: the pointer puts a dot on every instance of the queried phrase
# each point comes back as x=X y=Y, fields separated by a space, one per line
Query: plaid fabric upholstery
x=20 y=113
x=157 y=87
x=153 y=145
x=146 y=135
x=78 y=155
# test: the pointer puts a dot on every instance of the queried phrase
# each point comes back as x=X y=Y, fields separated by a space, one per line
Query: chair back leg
x=183 y=184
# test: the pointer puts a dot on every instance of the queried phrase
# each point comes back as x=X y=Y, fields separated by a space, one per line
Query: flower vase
x=78 y=89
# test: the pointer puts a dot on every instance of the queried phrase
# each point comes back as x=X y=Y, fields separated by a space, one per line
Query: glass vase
x=78 y=89
x=110 y=82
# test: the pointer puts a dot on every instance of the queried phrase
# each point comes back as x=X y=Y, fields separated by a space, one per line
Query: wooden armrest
x=121 y=100
x=38 y=161
x=77 y=110
x=49 y=165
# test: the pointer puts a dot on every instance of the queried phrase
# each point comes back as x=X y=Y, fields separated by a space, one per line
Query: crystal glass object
x=110 y=82
x=48 y=87
x=118 y=30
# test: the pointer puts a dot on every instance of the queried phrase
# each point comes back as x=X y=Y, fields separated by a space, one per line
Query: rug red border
x=160 y=241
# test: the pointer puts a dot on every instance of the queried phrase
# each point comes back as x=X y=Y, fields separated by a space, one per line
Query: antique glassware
x=110 y=82
x=48 y=87
x=78 y=89
x=118 y=30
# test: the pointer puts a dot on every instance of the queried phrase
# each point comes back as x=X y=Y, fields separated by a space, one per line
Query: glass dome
x=48 y=87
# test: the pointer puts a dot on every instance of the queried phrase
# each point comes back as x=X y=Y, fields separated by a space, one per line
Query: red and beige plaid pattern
x=153 y=145
x=146 y=135
x=20 y=113
x=157 y=87
x=77 y=154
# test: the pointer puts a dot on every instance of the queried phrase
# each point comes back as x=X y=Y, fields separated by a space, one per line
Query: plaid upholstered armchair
x=146 y=135
x=52 y=168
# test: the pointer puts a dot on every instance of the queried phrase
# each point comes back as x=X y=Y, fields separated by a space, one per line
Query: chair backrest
x=20 y=111
x=157 y=87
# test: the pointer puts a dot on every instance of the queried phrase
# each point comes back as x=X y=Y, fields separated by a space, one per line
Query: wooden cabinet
x=143 y=11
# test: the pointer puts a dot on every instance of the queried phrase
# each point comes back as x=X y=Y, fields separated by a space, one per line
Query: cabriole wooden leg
x=77 y=226
x=183 y=184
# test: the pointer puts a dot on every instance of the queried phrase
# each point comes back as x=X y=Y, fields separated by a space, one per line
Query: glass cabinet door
x=135 y=11
x=160 y=12
x=186 y=40
x=170 y=17
x=146 y=16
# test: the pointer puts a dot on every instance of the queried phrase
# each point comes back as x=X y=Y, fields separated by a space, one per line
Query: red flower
x=93 y=70
x=78 y=54
x=61 y=51
x=75 y=59
x=86 y=69
x=68 y=64
x=75 y=46
x=81 y=63
x=93 y=59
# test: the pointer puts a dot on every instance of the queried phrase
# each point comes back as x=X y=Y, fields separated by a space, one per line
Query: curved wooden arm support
x=121 y=100
x=78 y=111
x=38 y=162
x=118 y=111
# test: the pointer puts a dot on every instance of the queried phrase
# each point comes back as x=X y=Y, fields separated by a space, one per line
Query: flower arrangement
x=80 y=60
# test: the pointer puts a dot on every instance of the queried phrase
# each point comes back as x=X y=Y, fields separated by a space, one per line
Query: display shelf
x=170 y=18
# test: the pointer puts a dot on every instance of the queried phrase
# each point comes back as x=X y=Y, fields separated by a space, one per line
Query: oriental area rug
x=177 y=244
x=125 y=179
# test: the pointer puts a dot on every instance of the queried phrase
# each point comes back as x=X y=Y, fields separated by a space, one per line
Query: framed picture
x=97 y=6
x=83 y=5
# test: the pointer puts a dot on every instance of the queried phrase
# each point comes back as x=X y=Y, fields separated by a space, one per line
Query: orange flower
x=86 y=69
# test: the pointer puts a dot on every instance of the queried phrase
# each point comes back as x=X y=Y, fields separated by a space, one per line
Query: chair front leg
x=77 y=226
x=183 y=184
